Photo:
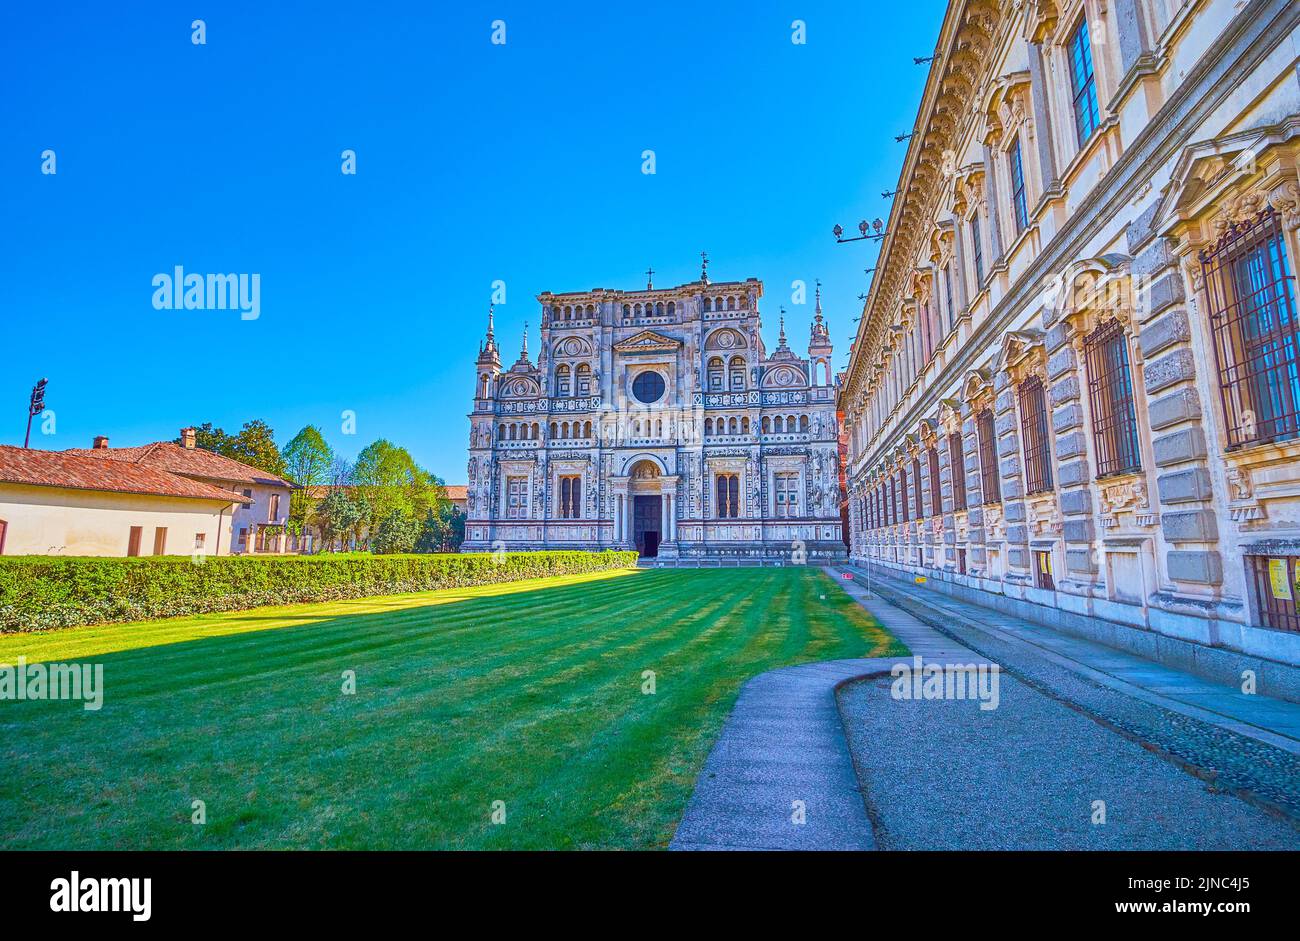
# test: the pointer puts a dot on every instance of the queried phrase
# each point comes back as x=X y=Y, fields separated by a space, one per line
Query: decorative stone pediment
x=977 y=386
x=1006 y=108
x=950 y=415
x=519 y=387
x=647 y=341
x=1023 y=355
x=571 y=347
x=1092 y=289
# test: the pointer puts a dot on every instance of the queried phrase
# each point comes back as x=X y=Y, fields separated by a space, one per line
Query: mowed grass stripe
x=529 y=697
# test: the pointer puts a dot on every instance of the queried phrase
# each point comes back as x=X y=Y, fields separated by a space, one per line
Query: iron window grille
x=1277 y=592
x=728 y=494
x=1110 y=393
x=1043 y=571
x=936 y=483
x=988 y=445
x=1256 y=335
x=947 y=287
x=902 y=492
x=1083 y=83
x=1018 y=200
x=957 y=471
x=1033 y=424
x=916 y=481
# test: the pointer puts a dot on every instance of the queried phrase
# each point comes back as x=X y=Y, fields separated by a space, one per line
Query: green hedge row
x=37 y=592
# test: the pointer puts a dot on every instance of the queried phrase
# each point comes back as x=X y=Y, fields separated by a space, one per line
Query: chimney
x=101 y=442
x=187 y=439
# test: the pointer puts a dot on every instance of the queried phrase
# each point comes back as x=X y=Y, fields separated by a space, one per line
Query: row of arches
x=574 y=312
x=564 y=429
x=727 y=302
x=658 y=309
x=770 y=424
x=519 y=431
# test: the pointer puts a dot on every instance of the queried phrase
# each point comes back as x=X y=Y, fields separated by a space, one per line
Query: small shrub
x=38 y=592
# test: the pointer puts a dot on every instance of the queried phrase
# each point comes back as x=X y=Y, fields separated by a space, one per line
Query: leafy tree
x=307 y=461
x=396 y=533
x=336 y=516
x=391 y=480
x=443 y=529
x=363 y=525
x=254 y=445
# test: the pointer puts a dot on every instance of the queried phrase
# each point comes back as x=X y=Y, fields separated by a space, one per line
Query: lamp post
x=34 y=408
x=877 y=231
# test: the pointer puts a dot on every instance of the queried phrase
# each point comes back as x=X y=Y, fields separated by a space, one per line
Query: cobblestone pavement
x=946 y=774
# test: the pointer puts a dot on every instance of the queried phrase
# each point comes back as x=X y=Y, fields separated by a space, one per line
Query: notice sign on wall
x=1279 y=579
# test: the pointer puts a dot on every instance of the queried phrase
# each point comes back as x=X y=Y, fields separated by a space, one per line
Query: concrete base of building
x=1175 y=640
x=697 y=555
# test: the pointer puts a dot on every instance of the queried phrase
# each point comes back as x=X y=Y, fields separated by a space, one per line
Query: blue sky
x=475 y=162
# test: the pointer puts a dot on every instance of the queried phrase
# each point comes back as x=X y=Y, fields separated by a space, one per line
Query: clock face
x=648 y=387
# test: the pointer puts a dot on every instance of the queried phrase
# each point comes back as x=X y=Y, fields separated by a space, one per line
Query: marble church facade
x=1075 y=392
x=657 y=420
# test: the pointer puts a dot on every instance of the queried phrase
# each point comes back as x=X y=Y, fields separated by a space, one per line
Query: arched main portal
x=647 y=507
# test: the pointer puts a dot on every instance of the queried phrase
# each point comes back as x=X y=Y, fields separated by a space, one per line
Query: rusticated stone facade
x=1077 y=379
x=656 y=419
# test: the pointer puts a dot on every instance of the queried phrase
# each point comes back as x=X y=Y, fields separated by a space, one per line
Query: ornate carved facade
x=656 y=419
x=1080 y=356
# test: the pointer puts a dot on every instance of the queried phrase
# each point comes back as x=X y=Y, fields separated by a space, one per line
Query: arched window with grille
x=957 y=471
x=990 y=485
x=1110 y=397
x=916 y=486
x=1252 y=314
x=1032 y=399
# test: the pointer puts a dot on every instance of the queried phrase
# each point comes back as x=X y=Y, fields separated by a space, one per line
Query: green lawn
x=528 y=693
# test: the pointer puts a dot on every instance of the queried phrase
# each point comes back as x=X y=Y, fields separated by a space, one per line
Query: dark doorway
x=647 y=517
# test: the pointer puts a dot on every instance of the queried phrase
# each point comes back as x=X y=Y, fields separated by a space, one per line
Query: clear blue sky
x=475 y=162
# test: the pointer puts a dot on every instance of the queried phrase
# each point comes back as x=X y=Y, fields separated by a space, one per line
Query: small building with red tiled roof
x=458 y=494
x=61 y=503
x=259 y=519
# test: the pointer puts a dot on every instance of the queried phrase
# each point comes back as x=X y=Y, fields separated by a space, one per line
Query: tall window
x=987 y=435
x=1018 y=201
x=562 y=380
x=737 y=370
x=133 y=542
x=936 y=483
x=1256 y=334
x=916 y=483
x=570 y=498
x=787 y=493
x=977 y=251
x=957 y=471
x=715 y=374
x=1083 y=84
x=273 y=508
x=1033 y=427
x=902 y=493
x=1110 y=393
x=728 y=493
x=947 y=286
x=516 y=498
x=584 y=379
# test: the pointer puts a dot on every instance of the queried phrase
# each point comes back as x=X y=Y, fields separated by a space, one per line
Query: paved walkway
x=784 y=742
x=1025 y=775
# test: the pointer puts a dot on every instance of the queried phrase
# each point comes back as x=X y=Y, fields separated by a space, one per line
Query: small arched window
x=803 y=422
x=737 y=374
x=555 y=430
x=584 y=379
x=731 y=303
x=672 y=308
x=744 y=426
x=715 y=374
x=562 y=382
x=779 y=425
x=627 y=310
x=659 y=309
x=708 y=303
x=767 y=425
x=708 y=427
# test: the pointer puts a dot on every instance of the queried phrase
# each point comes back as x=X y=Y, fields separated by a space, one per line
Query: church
x=657 y=420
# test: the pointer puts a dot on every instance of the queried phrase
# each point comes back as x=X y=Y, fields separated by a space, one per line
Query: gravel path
x=944 y=774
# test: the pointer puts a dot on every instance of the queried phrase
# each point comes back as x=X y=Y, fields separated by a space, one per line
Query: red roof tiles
x=65 y=469
x=196 y=462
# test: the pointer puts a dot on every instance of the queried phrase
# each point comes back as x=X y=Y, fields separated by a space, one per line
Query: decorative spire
x=490 y=310
x=523 y=352
x=818 y=315
x=704 y=267
x=780 y=343
x=650 y=279
x=820 y=330
x=487 y=350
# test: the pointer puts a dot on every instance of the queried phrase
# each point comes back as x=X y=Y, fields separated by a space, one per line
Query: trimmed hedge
x=38 y=592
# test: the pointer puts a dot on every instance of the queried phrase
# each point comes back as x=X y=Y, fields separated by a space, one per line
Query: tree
x=443 y=529
x=336 y=515
x=396 y=533
x=307 y=462
x=391 y=480
x=254 y=445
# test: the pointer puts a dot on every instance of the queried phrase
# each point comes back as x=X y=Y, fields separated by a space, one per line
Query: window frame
x=957 y=470
x=1031 y=397
x=986 y=442
x=1112 y=403
x=1019 y=195
x=1083 y=84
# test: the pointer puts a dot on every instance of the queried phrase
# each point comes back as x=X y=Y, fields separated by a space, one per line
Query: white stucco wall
x=56 y=521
